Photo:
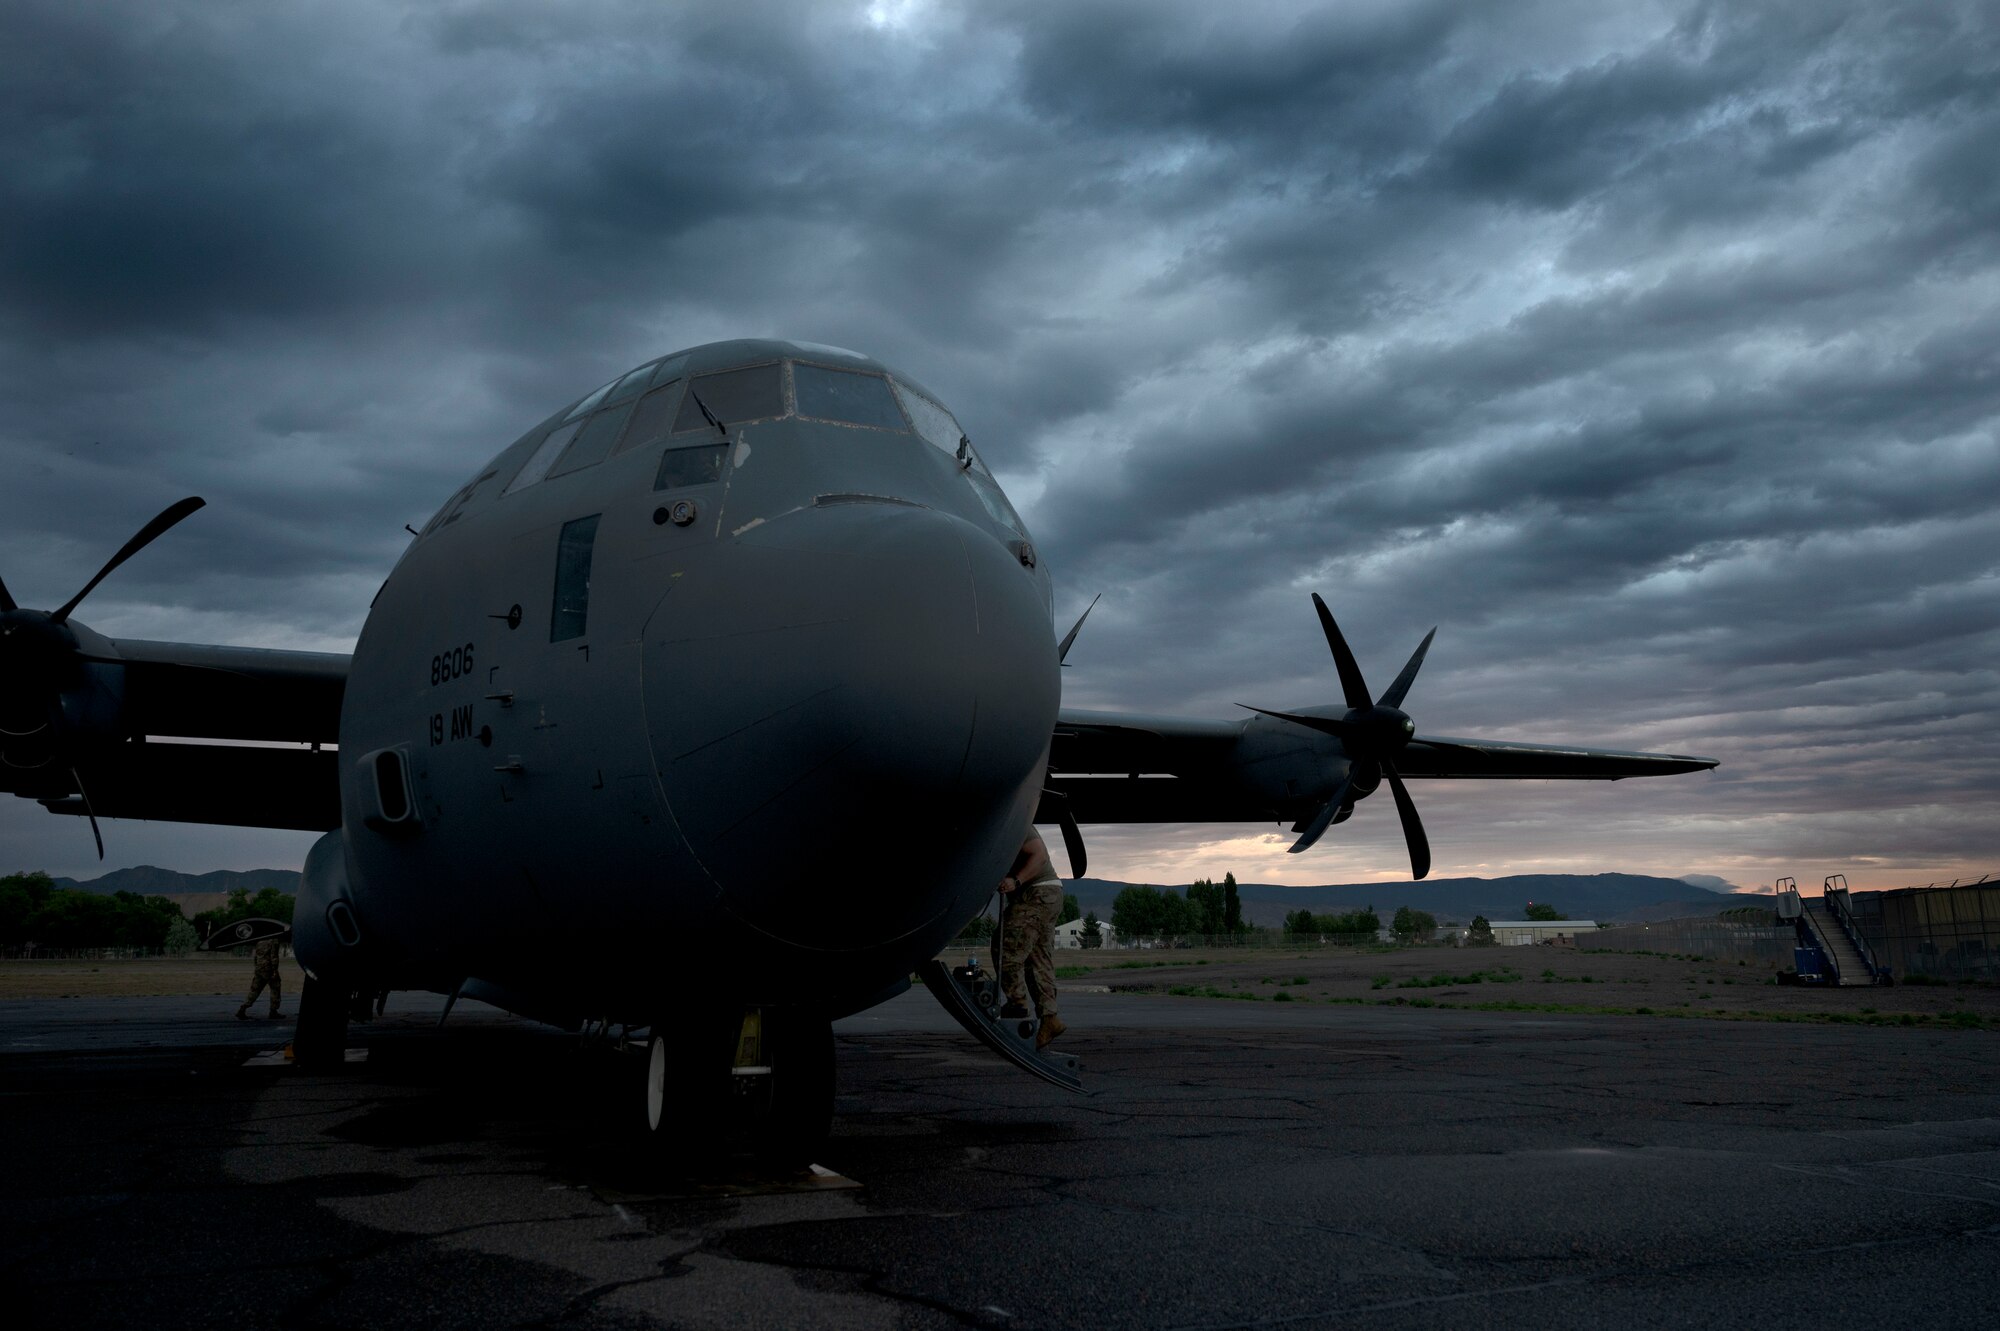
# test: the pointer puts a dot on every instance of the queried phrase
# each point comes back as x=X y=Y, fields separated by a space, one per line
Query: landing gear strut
x=320 y=1041
x=765 y=1074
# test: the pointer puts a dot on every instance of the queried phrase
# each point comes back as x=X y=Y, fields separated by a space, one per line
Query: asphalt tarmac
x=1233 y=1164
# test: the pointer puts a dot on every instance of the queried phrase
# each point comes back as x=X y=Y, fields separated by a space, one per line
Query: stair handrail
x=1789 y=906
x=1843 y=912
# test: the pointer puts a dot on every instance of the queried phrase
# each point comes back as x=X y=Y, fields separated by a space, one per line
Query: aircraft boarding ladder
x=1830 y=949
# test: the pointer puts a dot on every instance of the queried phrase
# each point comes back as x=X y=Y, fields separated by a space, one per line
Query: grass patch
x=1502 y=975
x=1207 y=991
x=1071 y=972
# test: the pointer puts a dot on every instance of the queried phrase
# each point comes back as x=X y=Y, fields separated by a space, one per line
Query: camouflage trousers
x=259 y=980
x=1027 y=946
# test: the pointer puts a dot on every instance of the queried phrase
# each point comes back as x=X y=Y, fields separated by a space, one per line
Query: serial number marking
x=454 y=664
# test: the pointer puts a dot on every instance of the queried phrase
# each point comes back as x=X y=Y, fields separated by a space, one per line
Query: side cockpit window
x=934 y=424
x=571 y=611
x=847 y=396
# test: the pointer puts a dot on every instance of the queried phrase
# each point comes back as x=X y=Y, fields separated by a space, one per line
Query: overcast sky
x=1652 y=351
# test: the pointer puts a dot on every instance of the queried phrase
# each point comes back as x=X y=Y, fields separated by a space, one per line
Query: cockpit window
x=732 y=396
x=933 y=422
x=590 y=402
x=991 y=497
x=593 y=441
x=630 y=385
x=544 y=456
x=682 y=467
x=847 y=396
x=650 y=418
x=669 y=370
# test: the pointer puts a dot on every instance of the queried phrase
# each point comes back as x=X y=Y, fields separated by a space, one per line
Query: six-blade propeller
x=1373 y=732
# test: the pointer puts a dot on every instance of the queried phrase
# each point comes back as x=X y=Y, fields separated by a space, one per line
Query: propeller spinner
x=1373 y=731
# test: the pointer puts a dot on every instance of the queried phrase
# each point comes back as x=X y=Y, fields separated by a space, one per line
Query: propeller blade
x=1073 y=843
x=1326 y=725
x=1323 y=819
x=144 y=537
x=1394 y=697
x=1352 y=686
x=7 y=599
x=88 y=812
x=1413 y=826
x=1062 y=648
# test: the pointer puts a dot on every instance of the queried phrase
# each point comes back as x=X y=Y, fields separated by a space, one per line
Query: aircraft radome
x=619 y=721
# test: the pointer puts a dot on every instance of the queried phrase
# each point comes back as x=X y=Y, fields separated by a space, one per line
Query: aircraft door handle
x=513 y=764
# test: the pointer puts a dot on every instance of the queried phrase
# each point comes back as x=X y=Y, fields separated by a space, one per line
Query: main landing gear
x=325 y=1008
x=320 y=1041
x=764 y=1074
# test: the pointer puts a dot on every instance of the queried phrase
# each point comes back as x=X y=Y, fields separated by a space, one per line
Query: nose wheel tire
x=691 y=1093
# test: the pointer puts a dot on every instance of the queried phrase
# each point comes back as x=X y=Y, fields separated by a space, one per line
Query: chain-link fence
x=1724 y=940
x=1938 y=933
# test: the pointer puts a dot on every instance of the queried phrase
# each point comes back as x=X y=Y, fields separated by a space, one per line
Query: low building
x=1071 y=934
x=1516 y=933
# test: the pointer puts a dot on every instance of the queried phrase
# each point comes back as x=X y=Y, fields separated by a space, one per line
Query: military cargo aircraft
x=623 y=719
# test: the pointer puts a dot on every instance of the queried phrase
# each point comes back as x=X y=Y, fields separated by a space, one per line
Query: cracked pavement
x=1233 y=1165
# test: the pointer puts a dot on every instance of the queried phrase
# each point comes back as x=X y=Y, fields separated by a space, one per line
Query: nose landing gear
x=763 y=1074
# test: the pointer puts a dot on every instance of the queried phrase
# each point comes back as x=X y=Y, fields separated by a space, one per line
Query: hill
x=1603 y=897
x=150 y=880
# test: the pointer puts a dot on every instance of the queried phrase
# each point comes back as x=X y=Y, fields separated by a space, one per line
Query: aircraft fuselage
x=748 y=697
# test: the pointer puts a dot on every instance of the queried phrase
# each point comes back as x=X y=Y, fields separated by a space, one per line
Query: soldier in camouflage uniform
x=265 y=958
x=1033 y=902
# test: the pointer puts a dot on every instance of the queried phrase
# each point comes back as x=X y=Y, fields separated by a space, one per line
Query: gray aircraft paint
x=844 y=633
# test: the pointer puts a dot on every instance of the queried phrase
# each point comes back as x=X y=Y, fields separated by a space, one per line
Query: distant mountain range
x=149 y=880
x=1619 y=897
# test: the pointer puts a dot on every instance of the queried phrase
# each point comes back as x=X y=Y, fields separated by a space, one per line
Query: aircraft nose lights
x=1372 y=732
x=682 y=512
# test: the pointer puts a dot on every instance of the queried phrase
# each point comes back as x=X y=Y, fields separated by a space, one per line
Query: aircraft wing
x=1508 y=761
x=1111 y=767
x=182 y=732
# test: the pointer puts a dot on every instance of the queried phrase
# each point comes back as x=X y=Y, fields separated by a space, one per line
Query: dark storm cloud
x=1648 y=350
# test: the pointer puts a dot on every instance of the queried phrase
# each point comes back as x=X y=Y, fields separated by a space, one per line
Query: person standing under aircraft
x=264 y=958
x=1034 y=895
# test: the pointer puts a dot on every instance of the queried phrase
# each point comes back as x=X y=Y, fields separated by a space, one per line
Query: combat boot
x=1050 y=1028
x=1014 y=1010
x=243 y=1013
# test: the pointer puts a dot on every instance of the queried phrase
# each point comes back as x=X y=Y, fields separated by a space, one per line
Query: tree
x=1413 y=925
x=21 y=896
x=268 y=904
x=1070 y=910
x=181 y=938
x=1205 y=899
x=1092 y=933
x=1136 y=911
x=1300 y=922
x=1232 y=906
x=1480 y=933
x=1541 y=910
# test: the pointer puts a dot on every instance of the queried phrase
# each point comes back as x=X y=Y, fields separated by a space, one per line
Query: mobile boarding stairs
x=1830 y=948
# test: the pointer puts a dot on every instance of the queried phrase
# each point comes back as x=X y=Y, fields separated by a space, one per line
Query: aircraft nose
x=850 y=708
